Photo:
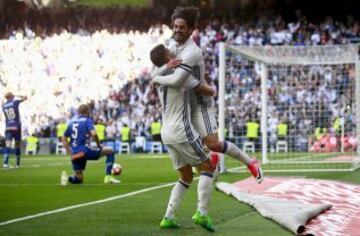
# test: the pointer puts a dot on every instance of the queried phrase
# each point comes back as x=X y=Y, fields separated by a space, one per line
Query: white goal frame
x=348 y=54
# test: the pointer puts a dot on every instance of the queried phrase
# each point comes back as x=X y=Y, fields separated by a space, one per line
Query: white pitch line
x=85 y=204
x=89 y=203
x=34 y=166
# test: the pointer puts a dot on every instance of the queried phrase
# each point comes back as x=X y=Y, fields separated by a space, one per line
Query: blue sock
x=6 y=155
x=74 y=180
x=225 y=147
x=17 y=153
x=109 y=163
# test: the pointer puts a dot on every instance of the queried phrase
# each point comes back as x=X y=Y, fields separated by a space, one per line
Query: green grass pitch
x=35 y=188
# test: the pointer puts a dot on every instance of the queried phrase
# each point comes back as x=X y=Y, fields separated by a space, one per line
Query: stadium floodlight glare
x=297 y=107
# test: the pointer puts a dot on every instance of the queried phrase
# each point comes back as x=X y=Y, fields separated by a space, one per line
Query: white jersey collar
x=181 y=47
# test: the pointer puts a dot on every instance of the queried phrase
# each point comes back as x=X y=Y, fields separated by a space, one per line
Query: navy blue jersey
x=79 y=132
x=12 y=115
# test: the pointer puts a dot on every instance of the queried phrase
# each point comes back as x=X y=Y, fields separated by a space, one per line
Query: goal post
x=294 y=107
x=221 y=100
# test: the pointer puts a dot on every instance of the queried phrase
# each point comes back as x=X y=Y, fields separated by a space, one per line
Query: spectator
x=155 y=129
x=114 y=79
x=125 y=134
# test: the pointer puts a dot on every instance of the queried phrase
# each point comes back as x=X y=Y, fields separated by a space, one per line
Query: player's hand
x=207 y=78
x=212 y=94
x=152 y=84
x=68 y=151
x=173 y=63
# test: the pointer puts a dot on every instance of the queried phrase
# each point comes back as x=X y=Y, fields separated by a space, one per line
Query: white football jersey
x=203 y=116
x=192 y=59
x=192 y=64
x=176 y=124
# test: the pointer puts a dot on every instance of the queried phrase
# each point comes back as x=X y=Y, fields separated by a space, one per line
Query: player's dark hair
x=189 y=14
x=83 y=109
x=158 y=55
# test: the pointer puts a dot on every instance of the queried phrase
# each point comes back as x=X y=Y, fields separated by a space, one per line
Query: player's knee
x=206 y=167
x=189 y=175
x=215 y=145
x=186 y=174
x=187 y=179
x=108 y=151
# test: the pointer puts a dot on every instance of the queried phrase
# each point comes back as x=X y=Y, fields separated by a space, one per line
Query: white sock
x=177 y=193
x=204 y=192
x=236 y=153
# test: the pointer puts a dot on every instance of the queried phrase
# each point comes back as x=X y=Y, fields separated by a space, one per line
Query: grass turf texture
x=35 y=188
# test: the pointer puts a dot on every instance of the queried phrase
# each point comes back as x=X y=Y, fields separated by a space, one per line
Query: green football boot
x=111 y=180
x=204 y=221
x=169 y=223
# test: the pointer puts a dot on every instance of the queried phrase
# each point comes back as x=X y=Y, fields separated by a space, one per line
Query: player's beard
x=181 y=37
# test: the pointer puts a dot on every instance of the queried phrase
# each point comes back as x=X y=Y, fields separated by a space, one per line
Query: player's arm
x=95 y=137
x=175 y=79
x=22 y=98
x=158 y=71
x=180 y=74
x=91 y=129
x=65 y=142
x=205 y=90
x=166 y=68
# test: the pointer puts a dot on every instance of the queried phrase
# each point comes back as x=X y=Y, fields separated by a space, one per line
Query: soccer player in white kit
x=202 y=107
x=184 y=145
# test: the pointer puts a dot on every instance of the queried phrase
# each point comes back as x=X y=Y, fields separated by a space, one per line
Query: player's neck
x=179 y=44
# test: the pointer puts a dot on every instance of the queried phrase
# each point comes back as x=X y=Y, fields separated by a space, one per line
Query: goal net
x=293 y=107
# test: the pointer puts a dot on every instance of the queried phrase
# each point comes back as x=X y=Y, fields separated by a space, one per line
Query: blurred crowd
x=77 y=20
x=305 y=98
x=108 y=70
x=64 y=58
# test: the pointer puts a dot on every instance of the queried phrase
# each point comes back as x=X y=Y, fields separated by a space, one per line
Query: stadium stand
x=78 y=56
